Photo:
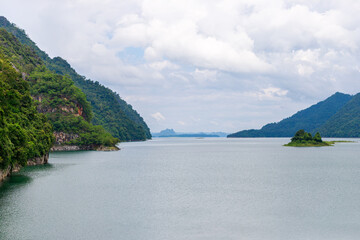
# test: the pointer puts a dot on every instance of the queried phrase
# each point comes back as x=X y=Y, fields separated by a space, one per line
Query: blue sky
x=203 y=65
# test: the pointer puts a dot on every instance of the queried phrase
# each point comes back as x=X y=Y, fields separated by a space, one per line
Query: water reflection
x=23 y=177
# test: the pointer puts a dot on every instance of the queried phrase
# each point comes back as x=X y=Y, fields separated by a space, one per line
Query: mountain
x=56 y=97
x=171 y=133
x=110 y=111
x=165 y=132
x=346 y=122
x=309 y=119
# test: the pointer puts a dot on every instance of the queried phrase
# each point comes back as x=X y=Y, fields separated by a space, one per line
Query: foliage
x=310 y=119
x=57 y=95
x=304 y=139
x=24 y=133
x=345 y=123
x=110 y=111
x=22 y=37
x=89 y=135
x=22 y=57
x=67 y=108
x=58 y=92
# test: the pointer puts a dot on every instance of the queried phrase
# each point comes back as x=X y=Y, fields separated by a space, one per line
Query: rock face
x=38 y=160
x=107 y=149
x=58 y=148
x=43 y=108
x=31 y=162
x=4 y=173
x=62 y=137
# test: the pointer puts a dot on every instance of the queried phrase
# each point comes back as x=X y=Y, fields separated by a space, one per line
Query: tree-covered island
x=305 y=139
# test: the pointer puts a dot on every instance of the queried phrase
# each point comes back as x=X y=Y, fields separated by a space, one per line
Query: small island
x=304 y=139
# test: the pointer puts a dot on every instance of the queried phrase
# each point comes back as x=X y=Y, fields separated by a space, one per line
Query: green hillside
x=308 y=119
x=346 y=122
x=57 y=97
x=110 y=111
x=24 y=133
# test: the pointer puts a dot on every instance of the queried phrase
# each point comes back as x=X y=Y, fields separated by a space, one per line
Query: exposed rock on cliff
x=62 y=137
x=31 y=162
x=60 y=148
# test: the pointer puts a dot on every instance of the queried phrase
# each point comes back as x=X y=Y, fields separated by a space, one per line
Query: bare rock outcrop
x=62 y=137
x=31 y=162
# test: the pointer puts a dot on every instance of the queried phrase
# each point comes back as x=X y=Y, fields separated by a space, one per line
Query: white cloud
x=161 y=65
x=158 y=116
x=238 y=63
x=181 y=123
x=304 y=70
x=270 y=93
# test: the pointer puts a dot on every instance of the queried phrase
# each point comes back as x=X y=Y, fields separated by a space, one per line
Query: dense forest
x=310 y=119
x=346 y=122
x=305 y=139
x=63 y=103
x=24 y=133
x=67 y=108
x=110 y=111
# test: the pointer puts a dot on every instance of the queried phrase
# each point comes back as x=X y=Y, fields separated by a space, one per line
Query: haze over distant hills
x=171 y=133
x=336 y=116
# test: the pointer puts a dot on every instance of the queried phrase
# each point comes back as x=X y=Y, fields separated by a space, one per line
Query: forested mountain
x=24 y=133
x=309 y=119
x=110 y=111
x=346 y=122
x=56 y=96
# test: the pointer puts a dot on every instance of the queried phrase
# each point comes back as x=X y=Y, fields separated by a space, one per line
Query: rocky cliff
x=4 y=173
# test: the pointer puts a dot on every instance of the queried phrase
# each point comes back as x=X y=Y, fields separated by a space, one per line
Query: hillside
x=56 y=96
x=346 y=122
x=309 y=119
x=110 y=111
x=24 y=133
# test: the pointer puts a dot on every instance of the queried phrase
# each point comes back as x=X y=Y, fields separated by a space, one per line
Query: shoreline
x=71 y=148
x=4 y=173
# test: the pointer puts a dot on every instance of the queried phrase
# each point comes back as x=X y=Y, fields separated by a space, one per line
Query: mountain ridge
x=346 y=122
x=171 y=133
x=309 y=119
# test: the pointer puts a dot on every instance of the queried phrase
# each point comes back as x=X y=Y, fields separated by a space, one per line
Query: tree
x=317 y=137
x=299 y=136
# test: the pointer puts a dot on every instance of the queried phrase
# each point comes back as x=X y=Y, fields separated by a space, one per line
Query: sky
x=203 y=65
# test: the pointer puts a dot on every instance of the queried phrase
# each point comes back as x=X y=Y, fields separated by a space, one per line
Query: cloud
x=270 y=93
x=239 y=63
x=158 y=116
x=181 y=123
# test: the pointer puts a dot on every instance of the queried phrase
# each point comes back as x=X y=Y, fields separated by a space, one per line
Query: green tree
x=317 y=137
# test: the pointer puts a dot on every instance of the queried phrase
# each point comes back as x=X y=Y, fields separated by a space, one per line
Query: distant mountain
x=220 y=134
x=346 y=122
x=109 y=110
x=309 y=119
x=164 y=133
x=171 y=133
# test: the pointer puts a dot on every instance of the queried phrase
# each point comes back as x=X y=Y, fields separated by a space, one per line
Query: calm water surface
x=188 y=189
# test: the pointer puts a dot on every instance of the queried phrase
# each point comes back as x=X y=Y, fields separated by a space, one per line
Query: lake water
x=188 y=189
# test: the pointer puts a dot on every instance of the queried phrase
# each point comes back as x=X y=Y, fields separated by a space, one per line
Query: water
x=181 y=189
